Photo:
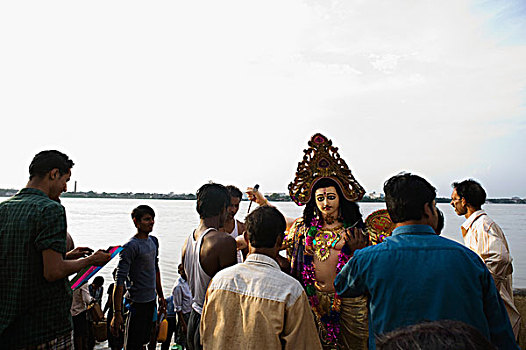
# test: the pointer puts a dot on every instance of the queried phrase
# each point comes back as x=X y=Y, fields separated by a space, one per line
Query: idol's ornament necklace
x=322 y=246
x=321 y=241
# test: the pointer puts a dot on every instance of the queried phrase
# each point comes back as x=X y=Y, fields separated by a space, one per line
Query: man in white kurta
x=482 y=235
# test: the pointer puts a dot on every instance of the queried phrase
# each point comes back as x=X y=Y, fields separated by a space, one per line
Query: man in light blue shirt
x=416 y=275
x=182 y=303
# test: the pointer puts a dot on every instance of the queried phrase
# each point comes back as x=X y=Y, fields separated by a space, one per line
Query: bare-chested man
x=207 y=251
x=232 y=226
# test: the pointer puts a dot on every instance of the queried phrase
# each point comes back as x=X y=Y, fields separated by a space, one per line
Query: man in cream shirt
x=482 y=235
x=254 y=305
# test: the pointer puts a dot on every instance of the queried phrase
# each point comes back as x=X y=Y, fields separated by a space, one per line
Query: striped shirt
x=483 y=236
x=32 y=310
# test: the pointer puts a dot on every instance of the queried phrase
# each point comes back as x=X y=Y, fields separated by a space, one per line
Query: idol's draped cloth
x=352 y=321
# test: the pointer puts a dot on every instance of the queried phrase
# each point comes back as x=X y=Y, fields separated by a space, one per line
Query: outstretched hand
x=256 y=196
x=79 y=252
x=100 y=257
x=355 y=238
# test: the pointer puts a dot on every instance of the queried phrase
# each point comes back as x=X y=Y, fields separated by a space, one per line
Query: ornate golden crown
x=322 y=160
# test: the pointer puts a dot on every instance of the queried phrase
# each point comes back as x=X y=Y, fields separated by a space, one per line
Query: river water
x=99 y=223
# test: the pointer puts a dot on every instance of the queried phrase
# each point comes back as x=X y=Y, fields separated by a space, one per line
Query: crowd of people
x=326 y=280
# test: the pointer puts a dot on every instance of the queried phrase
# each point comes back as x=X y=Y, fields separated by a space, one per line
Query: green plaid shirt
x=32 y=310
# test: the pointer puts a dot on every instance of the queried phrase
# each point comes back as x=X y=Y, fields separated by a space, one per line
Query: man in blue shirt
x=416 y=275
x=138 y=261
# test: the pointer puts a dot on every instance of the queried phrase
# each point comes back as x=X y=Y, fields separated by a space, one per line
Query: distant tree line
x=274 y=197
x=130 y=195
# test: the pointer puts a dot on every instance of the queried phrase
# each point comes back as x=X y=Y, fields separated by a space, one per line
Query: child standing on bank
x=138 y=261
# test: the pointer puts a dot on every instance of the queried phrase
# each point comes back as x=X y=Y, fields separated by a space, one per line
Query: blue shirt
x=138 y=261
x=415 y=275
x=170 y=311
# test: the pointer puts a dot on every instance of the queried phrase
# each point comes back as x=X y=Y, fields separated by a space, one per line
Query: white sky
x=163 y=96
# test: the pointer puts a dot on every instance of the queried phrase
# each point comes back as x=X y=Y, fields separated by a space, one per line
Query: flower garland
x=330 y=319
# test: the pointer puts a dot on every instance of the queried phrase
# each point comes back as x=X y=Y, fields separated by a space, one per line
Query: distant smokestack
x=75 y=189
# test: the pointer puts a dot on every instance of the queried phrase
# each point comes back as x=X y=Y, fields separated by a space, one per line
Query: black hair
x=142 y=210
x=45 y=161
x=405 y=197
x=350 y=211
x=234 y=191
x=440 y=223
x=472 y=191
x=212 y=198
x=437 y=335
x=99 y=280
x=264 y=225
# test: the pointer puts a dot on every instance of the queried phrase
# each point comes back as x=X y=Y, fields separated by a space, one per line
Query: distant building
x=374 y=195
x=7 y=192
x=278 y=197
x=516 y=199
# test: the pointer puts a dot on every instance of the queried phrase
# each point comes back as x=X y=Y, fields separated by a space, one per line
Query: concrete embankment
x=519 y=297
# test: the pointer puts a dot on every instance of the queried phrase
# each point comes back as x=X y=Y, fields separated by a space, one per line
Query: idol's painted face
x=459 y=204
x=327 y=201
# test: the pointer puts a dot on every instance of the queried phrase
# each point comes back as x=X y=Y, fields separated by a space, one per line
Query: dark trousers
x=80 y=331
x=138 y=325
x=91 y=336
x=181 y=337
x=172 y=328
x=193 y=337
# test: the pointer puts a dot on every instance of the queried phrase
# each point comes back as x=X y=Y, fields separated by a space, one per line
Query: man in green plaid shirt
x=35 y=296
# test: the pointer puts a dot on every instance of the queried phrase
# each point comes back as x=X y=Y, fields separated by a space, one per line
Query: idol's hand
x=256 y=196
x=309 y=250
x=355 y=238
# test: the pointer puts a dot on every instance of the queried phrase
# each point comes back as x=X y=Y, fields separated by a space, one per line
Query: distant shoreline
x=274 y=197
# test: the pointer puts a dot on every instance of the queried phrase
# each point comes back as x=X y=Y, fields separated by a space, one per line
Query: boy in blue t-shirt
x=138 y=261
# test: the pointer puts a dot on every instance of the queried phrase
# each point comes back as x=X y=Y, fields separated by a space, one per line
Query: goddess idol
x=321 y=242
